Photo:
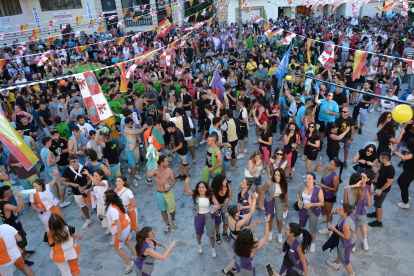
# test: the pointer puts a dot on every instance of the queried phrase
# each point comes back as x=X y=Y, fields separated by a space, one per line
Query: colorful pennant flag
x=164 y=27
x=82 y=48
x=112 y=17
x=42 y=59
x=327 y=57
x=51 y=40
x=91 y=23
x=141 y=58
x=210 y=8
x=210 y=21
x=168 y=9
x=191 y=3
x=266 y=26
x=243 y=4
x=35 y=34
x=3 y=35
x=124 y=11
x=196 y=15
x=2 y=63
x=359 y=64
x=121 y=40
x=100 y=16
x=249 y=9
x=78 y=19
x=78 y=34
x=204 y=12
x=388 y=5
x=308 y=45
x=270 y=34
x=120 y=24
x=51 y=23
x=101 y=27
x=137 y=18
x=123 y=85
x=143 y=8
x=132 y=14
x=23 y=27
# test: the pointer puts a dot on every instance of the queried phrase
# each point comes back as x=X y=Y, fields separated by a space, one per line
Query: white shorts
x=65 y=267
x=45 y=219
x=80 y=200
x=124 y=237
x=7 y=269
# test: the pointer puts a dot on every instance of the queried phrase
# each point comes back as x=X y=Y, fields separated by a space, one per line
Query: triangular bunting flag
x=124 y=11
x=78 y=19
x=101 y=27
x=123 y=84
x=82 y=48
x=91 y=23
x=23 y=27
x=120 y=41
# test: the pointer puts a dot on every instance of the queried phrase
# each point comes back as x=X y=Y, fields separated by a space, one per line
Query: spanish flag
x=35 y=34
x=82 y=48
x=10 y=138
x=308 y=45
x=123 y=85
x=210 y=21
x=78 y=19
x=121 y=40
x=23 y=27
x=137 y=18
x=2 y=63
x=91 y=23
x=101 y=27
x=124 y=11
x=267 y=26
x=164 y=27
x=51 y=40
x=168 y=9
x=359 y=64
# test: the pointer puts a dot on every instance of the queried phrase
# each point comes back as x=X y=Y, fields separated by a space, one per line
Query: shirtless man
x=140 y=104
x=165 y=197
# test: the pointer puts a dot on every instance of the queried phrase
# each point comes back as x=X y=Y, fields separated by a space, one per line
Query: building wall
x=16 y=21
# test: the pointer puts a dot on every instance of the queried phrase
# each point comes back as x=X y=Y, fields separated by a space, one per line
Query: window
x=10 y=7
x=53 y=5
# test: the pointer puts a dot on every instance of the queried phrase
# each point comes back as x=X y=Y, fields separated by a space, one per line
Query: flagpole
x=240 y=21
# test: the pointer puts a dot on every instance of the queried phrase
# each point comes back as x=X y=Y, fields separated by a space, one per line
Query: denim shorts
x=345 y=140
x=257 y=181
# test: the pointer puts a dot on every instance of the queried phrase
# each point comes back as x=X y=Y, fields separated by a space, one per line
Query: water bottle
x=195 y=143
x=227 y=156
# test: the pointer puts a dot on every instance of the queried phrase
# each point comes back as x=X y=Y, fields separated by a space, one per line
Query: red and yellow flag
x=121 y=40
x=168 y=9
x=164 y=27
x=123 y=85
x=388 y=5
x=210 y=21
x=132 y=14
x=23 y=27
x=91 y=23
x=191 y=3
x=359 y=64
x=78 y=19
x=196 y=15
x=211 y=7
x=145 y=57
x=51 y=40
x=2 y=63
x=101 y=27
x=124 y=11
x=35 y=34
x=249 y=9
x=308 y=45
x=136 y=19
x=267 y=26
x=82 y=48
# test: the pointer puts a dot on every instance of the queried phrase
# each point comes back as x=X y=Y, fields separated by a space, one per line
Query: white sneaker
x=65 y=204
x=200 y=249
x=313 y=247
x=379 y=109
x=129 y=169
x=246 y=139
x=240 y=156
x=169 y=158
x=322 y=219
x=128 y=268
x=103 y=225
x=270 y=236
x=353 y=249
x=108 y=231
x=304 y=176
x=334 y=265
x=167 y=229
x=174 y=223
x=256 y=142
x=285 y=214
x=203 y=142
x=324 y=231
x=303 y=157
x=293 y=169
x=194 y=160
x=137 y=176
x=299 y=154
x=112 y=240
x=371 y=110
x=403 y=205
x=366 y=247
x=279 y=238
x=135 y=183
x=86 y=224
x=213 y=252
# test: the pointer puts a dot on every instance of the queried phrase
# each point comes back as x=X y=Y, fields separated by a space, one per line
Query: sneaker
x=372 y=215
x=213 y=253
x=303 y=157
x=403 y=205
x=225 y=237
x=279 y=138
x=194 y=160
x=270 y=236
x=218 y=239
x=256 y=142
x=360 y=131
x=322 y=219
x=379 y=109
x=108 y=231
x=149 y=182
x=129 y=169
x=103 y=225
x=200 y=249
x=240 y=156
x=133 y=257
x=112 y=240
x=293 y=170
x=178 y=177
x=333 y=265
x=65 y=204
x=366 y=247
x=128 y=268
x=86 y=224
x=401 y=163
x=313 y=247
x=353 y=249
x=135 y=183
x=324 y=231
x=183 y=177
x=356 y=127
x=137 y=176
x=291 y=177
x=299 y=154
x=169 y=158
x=345 y=166
x=203 y=142
x=232 y=169
x=304 y=176
x=279 y=238
x=375 y=223
x=29 y=253
x=28 y=263
x=246 y=139
x=167 y=229
x=371 y=110
x=175 y=225
x=227 y=274
x=285 y=214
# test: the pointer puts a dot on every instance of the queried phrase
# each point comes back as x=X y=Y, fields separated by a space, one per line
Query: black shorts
x=23 y=243
x=322 y=126
x=167 y=138
x=378 y=200
x=233 y=148
x=311 y=154
x=243 y=131
x=330 y=200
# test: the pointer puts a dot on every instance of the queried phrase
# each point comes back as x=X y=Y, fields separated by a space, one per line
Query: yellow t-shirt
x=250 y=67
x=271 y=71
x=11 y=97
x=109 y=123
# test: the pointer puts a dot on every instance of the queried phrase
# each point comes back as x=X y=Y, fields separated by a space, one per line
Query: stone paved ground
x=391 y=247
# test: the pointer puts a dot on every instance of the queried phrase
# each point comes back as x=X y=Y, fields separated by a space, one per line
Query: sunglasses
x=370 y=151
x=344 y=111
x=256 y=152
x=280 y=154
x=73 y=161
x=311 y=127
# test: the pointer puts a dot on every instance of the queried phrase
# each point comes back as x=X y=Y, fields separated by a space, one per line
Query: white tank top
x=306 y=198
x=278 y=190
x=203 y=205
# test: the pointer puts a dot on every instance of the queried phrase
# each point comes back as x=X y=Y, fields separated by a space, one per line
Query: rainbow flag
x=35 y=34
x=123 y=85
x=91 y=23
x=359 y=64
x=121 y=40
x=168 y=9
x=51 y=40
x=10 y=138
x=308 y=45
x=2 y=63
x=23 y=27
x=124 y=11
x=82 y=48
x=101 y=27
x=211 y=7
x=78 y=19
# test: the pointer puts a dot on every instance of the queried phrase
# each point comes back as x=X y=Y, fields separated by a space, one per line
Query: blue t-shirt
x=325 y=105
x=301 y=113
x=303 y=99
x=284 y=101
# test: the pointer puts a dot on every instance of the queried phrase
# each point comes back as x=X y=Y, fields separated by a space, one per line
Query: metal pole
x=240 y=21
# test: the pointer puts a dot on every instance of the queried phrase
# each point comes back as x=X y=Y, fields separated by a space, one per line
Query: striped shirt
x=410 y=52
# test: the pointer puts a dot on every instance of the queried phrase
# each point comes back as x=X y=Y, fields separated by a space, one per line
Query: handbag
x=356 y=167
x=296 y=206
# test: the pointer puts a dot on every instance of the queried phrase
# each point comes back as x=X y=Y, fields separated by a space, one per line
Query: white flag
x=78 y=33
x=119 y=24
x=43 y=59
x=327 y=57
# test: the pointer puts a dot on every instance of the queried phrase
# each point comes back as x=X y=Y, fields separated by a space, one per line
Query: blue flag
x=281 y=70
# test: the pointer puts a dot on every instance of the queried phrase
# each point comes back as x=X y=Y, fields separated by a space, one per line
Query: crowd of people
x=175 y=110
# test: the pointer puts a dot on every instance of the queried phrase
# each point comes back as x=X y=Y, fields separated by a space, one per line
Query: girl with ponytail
x=146 y=249
x=295 y=248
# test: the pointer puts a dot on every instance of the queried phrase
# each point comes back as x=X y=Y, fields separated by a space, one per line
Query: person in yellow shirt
x=272 y=69
x=110 y=123
x=251 y=67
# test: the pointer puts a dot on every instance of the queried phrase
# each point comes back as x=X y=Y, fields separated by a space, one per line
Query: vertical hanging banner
x=36 y=17
x=89 y=12
x=95 y=101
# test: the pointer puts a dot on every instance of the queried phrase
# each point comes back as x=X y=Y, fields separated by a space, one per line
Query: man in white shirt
x=83 y=126
x=410 y=98
x=19 y=80
x=388 y=105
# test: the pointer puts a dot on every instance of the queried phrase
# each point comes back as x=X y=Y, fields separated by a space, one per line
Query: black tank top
x=12 y=220
x=333 y=145
x=220 y=198
x=235 y=233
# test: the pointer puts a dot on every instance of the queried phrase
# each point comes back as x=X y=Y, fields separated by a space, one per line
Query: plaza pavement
x=391 y=247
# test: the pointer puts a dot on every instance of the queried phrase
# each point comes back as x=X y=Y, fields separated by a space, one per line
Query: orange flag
x=78 y=19
x=82 y=48
x=23 y=27
x=124 y=11
x=120 y=41
x=35 y=34
x=132 y=14
x=2 y=63
x=101 y=27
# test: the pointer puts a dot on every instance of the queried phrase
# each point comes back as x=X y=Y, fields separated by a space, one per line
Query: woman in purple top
x=310 y=202
x=295 y=249
x=347 y=237
x=359 y=197
x=329 y=184
x=146 y=250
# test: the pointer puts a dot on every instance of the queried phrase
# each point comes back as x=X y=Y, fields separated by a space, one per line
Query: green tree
x=197 y=7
